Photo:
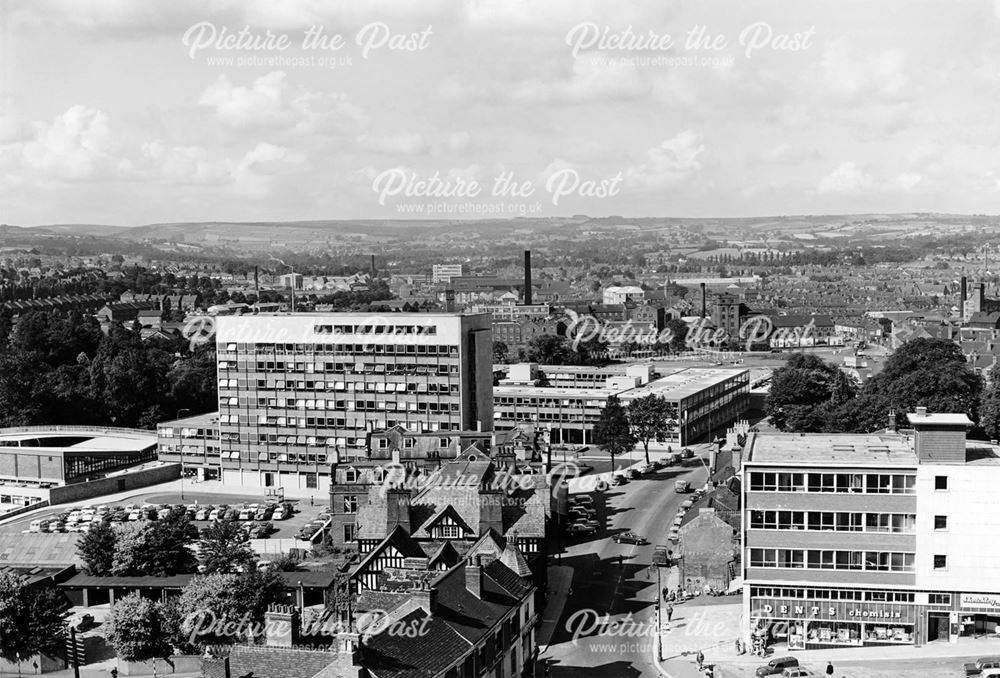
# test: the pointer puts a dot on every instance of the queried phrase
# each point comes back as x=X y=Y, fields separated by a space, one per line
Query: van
x=38 y=526
x=982 y=665
x=682 y=486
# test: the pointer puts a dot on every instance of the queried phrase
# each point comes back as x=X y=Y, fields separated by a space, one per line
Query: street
x=647 y=507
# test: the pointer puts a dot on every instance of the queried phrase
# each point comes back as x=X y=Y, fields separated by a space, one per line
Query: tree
x=225 y=547
x=208 y=601
x=500 y=352
x=549 y=349
x=96 y=549
x=989 y=406
x=651 y=417
x=159 y=548
x=678 y=334
x=138 y=630
x=611 y=432
x=804 y=393
x=32 y=619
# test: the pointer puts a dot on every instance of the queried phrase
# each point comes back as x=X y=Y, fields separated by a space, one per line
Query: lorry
x=682 y=486
x=661 y=556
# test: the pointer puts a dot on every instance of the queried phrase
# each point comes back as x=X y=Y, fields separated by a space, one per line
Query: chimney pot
x=921 y=411
x=474 y=580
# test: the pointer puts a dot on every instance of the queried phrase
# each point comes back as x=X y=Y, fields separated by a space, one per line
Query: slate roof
x=279 y=662
x=398 y=656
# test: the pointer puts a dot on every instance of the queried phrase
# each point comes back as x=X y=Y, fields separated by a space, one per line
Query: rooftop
x=686 y=383
x=831 y=449
x=939 y=419
x=77 y=439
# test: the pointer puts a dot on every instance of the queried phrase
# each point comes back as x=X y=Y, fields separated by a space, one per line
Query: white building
x=443 y=273
x=620 y=294
x=872 y=539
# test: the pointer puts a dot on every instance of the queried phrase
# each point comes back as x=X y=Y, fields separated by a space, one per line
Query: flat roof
x=207 y=419
x=831 y=449
x=687 y=382
x=584 y=393
x=939 y=418
x=84 y=440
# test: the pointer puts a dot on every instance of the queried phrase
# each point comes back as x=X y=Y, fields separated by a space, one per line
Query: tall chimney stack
x=527 y=277
x=704 y=309
x=373 y=266
x=963 y=293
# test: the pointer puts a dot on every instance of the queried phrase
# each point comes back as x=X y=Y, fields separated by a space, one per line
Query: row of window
x=407 y=369
x=836 y=521
x=411 y=388
x=361 y=406
x=375 y=329
x=321 y=441
x=867 y=483
x=870 y=561
x=832 y=594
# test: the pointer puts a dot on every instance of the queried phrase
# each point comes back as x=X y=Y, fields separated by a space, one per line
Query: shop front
x=978 y=615
x=821 y=624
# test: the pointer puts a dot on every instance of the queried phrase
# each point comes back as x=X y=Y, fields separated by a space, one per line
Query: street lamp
x=177 y=418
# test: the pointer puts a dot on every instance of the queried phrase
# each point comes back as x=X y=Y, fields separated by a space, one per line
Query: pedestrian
x=670 y=612
x=738 y=647
x=829 y=668
x=621 y=559
x=700 y=659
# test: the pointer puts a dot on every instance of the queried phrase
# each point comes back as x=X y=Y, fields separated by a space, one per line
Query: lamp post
x=177 y=418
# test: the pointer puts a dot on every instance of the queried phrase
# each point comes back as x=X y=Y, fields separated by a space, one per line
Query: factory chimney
x=963 y=293
x=704 y=309
x=527 y=277
x=373 y=267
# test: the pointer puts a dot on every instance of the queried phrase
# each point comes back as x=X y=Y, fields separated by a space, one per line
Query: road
x=644 y=506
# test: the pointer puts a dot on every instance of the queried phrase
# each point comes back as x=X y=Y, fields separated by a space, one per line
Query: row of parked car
x=581 y=515
x=670 y=459
x=675 y=528
x=82 y=519
x=309 y=531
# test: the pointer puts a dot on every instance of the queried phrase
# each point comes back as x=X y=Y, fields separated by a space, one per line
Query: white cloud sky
x=889 y=107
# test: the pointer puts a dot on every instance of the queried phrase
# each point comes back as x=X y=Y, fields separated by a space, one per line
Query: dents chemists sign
x=833 y=610
x=988 y=601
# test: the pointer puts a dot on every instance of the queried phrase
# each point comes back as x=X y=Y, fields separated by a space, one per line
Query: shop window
x=940 y=522
x=939 y=599
x=940 y=562
x=941 y=483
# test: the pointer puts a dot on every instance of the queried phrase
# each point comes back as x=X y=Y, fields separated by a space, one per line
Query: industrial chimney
x=963 y=293
x=704 y=309
x=527 y=277
x=373 y=266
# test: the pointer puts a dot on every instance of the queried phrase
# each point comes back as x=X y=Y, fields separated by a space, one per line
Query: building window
x=939 y=599
x=349 y=532
x=940 y=522
x=350 y=475
x=450 y=532
x=311 y=481
x=941 y=483
x=940 y=562
x=350 y=504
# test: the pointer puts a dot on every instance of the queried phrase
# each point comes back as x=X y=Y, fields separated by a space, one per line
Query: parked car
x=38 y=526
x=84 y=622
x=134 y=515
x=682 y=486
x=246 y=514
x=164 y=513
x=264 y=513
x=686 y=453
x=618 y=479
x=776 y=666
x=629 y=538
x=57 y=526
x=577 y=528
x=584 y=499
x=659 y=464
x=632 y=474
x=231 y=515
x=281 y=513
x=587 y=523
x=981 y=665
x=797 y=672
x=203 y=513
x=584 y=511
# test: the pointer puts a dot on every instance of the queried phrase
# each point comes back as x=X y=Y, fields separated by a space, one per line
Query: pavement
x=560 y=585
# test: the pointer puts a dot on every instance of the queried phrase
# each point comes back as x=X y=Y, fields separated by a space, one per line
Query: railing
x=75 y=429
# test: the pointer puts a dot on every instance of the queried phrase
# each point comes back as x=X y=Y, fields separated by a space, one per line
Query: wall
x=118 y=483
x=973 y=526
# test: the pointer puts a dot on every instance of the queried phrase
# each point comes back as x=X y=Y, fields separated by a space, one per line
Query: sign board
x=832 y=610
x=986 y=601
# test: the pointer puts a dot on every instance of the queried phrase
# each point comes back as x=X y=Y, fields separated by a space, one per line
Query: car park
x=57 y=526
x=588 y=523
x=776 y=666
x=214 y=513
x=630 y=538
x=231 y=515
x=264 y=513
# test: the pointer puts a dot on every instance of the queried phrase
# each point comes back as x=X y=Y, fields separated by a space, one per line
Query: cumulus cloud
x=74 y=145
x=266 y=103
x=671 y=163
x=846 y=178
x=399 y=144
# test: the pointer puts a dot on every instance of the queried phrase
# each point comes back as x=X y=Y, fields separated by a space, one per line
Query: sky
x=130 y=112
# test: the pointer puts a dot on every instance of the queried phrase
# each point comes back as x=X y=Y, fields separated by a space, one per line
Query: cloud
x=400 y=144
x=671 y=163
x=75 y=145
x=847 y=178
x=265 y=104
x=254 y=175
x=592 y=79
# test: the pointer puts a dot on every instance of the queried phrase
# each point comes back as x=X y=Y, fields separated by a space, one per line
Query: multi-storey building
x=443 y=273
x=192 y=442
x=706 y=400
x=298 y=391
x=871 y=539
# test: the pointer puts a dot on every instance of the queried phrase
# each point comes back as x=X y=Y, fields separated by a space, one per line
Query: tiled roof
x=280 y=662
x=394 y=655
